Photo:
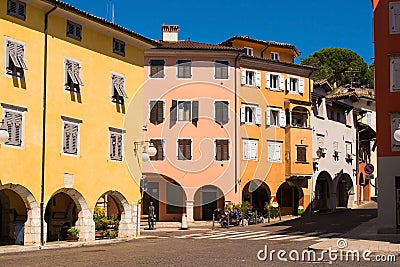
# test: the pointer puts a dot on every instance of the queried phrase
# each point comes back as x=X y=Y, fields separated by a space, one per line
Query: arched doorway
x=206 y=200
x=115 y=208
x=344 y=189
x=19 y=216
x=257 y=193
x=67 y=208
x=289 y=197
x=323 y=187
x=167 y=195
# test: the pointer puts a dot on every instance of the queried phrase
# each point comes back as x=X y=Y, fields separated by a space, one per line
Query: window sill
x=274 y=89
x=302 y=162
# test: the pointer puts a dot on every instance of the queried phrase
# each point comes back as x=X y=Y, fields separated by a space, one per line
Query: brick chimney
x=170 y=33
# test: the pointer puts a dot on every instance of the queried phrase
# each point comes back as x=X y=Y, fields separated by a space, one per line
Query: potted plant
x=73 y=234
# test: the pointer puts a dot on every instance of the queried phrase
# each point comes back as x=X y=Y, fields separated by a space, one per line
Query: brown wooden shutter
x=188 y=149
x=173 y=113
x=301 y=154
x=225 y=112
x=218 y=112
x=181 y=149
x=218 y=149
x=160 y=150
x=225 y=149
x=160 y=112
x=195 y=112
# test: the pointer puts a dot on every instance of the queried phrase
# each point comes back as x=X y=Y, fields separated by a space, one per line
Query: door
x=209 y=204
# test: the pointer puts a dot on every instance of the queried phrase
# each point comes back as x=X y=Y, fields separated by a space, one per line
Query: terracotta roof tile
x=193 y=46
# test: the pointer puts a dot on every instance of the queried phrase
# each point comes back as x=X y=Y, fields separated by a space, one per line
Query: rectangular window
x=15 y=58
x=250 y=114
x=74 y=30
x=118 y=47
x=159 y=145
x=301 y=154
x=13 y=121
x=250 y=149
x=116 y=146
x=274 y=56
x=275 y=117
x=16 y=9
x=221 y=150
x=295 y=85
x=274 y=151
x=184 y=110
x=369 y=119
x=118 y=93
x=184 y=149
x=221 y=112
x=184 y=68
x=221 y=69
x=349 y=150
x=394 y=74
x=248 y=51
x=156 y=111
x=73 y=79
x=394 y=8
x=274 y=81
x=320 y=141
x=157 y=68
x=251 y=78
x=71 y=136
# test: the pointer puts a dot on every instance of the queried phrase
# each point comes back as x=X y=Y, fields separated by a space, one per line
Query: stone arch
x=289 y=195
x=126 y=224
x=256 y=192
x=32 y=224
x=323 y=192
x=344 y=191
x=84 y=221
x=206 y=199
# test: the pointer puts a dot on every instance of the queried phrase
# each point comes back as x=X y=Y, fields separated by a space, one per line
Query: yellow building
x=275 y=133
x=68 y=80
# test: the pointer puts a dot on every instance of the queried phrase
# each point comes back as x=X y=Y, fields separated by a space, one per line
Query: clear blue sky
x=309 y=25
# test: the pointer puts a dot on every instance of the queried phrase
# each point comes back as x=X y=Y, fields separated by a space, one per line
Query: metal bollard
x=228 y=221
x=256 y=217
x=213 y=221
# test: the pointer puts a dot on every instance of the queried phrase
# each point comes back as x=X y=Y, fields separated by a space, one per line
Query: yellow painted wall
x=94 y=173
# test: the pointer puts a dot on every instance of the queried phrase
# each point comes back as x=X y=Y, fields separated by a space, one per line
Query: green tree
x=339 y=65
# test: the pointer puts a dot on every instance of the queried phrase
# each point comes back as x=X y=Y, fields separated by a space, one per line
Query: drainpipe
x=262 y=52
x=312 y=192
x=236 y=134
x=46 y=21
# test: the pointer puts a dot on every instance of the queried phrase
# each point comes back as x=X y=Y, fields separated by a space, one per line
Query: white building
x=334 y=149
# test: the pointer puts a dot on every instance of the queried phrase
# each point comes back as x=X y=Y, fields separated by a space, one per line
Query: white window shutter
x=268 y=116
x=253 y=150
x=395 y=74
x=243 y=76
x=258 y=79
x=268 y=80
x=258 y=116
x=282 y=118
x=395 y=17
x=278 y=152
x=301 y=86
x=243 y=114
x=281 y=83
x=288 y=84
x=246 y=150
x=369 y=119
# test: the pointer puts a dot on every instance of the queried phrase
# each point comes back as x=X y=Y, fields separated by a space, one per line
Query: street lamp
x=3 y=133
x=396 y=134
x=147 y=153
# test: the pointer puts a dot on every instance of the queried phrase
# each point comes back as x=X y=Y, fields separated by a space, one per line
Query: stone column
x=136 y=219
x=190 y=210
x=86 y=225
x=126 y=225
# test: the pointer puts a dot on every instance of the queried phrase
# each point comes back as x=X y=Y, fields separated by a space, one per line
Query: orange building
x=386 y=23
x=274 y=130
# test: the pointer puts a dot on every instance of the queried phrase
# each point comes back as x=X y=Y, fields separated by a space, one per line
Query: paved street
x=225 y=247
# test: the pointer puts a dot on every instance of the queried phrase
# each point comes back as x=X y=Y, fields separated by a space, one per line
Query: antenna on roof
x=110 y=11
